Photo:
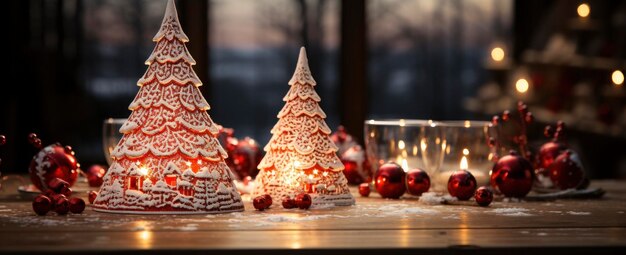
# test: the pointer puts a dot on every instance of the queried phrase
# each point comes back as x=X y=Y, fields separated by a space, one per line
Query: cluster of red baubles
x=262 y=202
x=555 y=165
x=356 y=167
x=462 y=185
x=58 y=198
x=392 y=182
x=301 y=201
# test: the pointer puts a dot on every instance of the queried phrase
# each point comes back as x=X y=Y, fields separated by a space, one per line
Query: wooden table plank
x=372 y=225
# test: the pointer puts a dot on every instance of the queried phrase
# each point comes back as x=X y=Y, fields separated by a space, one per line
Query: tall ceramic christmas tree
x=169 y=160
x=301 y=157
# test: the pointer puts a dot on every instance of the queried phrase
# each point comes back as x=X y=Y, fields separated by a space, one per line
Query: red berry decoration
x=77 y=205
x=61 y=205
x=3 y=140
x=42 y=205
x=390 y=180
x=483 y=196
x=95 y=175
x=462 y=184
x=52 y=162
x=268 y=200
x=567 y=171
x=513 y=175
x=259 y=203
x=364 y=189
x=303 y=201
x=417 y=182
x=59 y=186
x=92 y=196
x=289 y=203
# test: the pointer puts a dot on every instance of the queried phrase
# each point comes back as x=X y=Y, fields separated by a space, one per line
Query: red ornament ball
x=303 y=201
x=259 y=203
x=513 y=175
x=95 y=175
x=483 y=196
x=52 y=162
x=567 y=171
x=61 y=205
x=42 y=205
x=268 y=200
x=3 y=140
x=289 y=203
x=417 y=182
x=548 y=153
x=92 y=196
x=390 y=180
x=364 y=189
x=356 y=167
x=246 y=156
x=76 y=205
x=462 y=185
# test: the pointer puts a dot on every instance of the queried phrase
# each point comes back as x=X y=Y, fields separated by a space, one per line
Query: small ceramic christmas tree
x=169 y=159
x=301 y=157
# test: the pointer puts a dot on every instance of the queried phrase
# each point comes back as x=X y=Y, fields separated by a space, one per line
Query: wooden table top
x=373 y=226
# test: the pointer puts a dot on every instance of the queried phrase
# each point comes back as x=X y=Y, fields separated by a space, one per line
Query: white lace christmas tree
x=169 y=159
x=301 y=157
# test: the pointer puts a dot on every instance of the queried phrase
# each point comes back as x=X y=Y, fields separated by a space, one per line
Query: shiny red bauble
x=356 y=167
x=246 y=156
x=303 y=201
x=567 y=171
x=512 y=175
x=462 y=185
x=42 y=205
x=259 y=203
x=268 y=200
x=51 y=162
x=417 y=182
x=390 y=180
x=548 y=153
x=364 y=189
x=289 y=203
x=61 y=205
x=95 y=175
x=76 y=205
x=92 y=196
x=3 y=140
x=483 y=196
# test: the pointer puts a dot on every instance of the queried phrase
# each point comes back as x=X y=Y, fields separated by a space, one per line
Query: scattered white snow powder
x=578 y=213
x=432 y=198
x=542 y=234
x=189 y=227
x=282 y=218
x=323 y=206
x=514 y=211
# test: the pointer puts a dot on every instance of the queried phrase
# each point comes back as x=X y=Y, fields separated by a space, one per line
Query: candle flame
x=464 y=165
x=465 y=151
x=405 y=165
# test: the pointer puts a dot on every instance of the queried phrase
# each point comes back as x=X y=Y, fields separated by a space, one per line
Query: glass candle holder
x=466 y=147
x=410 y=143
x=111 y=136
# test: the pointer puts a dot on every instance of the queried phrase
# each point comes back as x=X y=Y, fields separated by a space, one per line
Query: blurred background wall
x=75 y=63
